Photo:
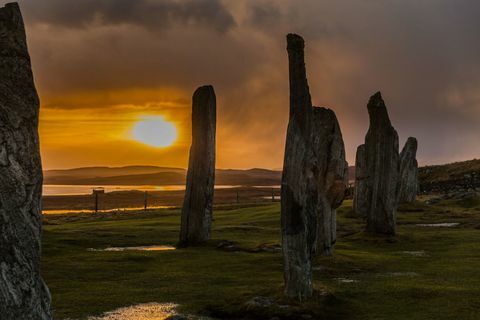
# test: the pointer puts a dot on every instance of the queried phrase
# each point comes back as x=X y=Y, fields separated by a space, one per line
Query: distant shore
x=135 y=199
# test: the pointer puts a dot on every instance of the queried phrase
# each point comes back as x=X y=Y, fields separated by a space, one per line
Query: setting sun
x=155 y=131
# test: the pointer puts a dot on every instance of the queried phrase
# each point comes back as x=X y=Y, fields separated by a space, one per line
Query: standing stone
x=331 y=171
x=198 y=202
x=360 y=204
x=383 y=164
x=299 y=185
x=23 y=294
x=408 y=172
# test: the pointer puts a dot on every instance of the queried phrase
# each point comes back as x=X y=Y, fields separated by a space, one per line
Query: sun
x=155 y=131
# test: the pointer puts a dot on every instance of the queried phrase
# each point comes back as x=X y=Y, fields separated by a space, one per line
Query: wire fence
x=135 y=200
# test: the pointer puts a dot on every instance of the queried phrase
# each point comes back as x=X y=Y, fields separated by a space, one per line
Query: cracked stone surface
x=382 y=166
x=23 y=294
x=299 y=185
x=408 y=172
x=314 y=179
x=361 y=175
x=197 y=207
x=331 y=170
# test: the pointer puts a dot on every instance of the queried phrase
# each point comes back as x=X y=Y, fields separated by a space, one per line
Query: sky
x=100 y=66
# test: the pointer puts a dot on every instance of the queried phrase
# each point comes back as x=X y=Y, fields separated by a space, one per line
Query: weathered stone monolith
x=360 y=204
x=408 y=172
x=23 y=294
x=383 y=165
x=331 y=172
x=198 y=202
x=299 y=185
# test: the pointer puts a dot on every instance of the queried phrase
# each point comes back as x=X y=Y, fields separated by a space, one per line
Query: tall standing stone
x=331 y=172
x=198 y=202
x=23 y=294
x=360 y=204
x=408 y=172
x=383 y=164
x=299 y=185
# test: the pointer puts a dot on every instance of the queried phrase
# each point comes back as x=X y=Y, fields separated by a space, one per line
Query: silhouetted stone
x=331 y=171
x=299 y=185
x=383 y=164
x=23 y=294
x=197 y=205
x=408 y=172
x=360 y=204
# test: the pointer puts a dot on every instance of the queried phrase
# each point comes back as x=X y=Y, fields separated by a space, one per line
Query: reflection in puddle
x=86 y=211
x=345 y=280
x=445 y=224
x=143 y=248
x=145 y=311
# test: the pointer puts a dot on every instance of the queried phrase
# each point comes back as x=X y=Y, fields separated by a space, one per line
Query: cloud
x=151 y=14
x=422 y=55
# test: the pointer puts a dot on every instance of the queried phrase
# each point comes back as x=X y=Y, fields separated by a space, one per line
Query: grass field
x=422 y=273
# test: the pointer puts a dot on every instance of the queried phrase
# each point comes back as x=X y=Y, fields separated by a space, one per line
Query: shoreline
x=134 y=200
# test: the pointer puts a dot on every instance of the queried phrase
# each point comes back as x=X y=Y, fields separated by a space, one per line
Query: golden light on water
x=155 y=131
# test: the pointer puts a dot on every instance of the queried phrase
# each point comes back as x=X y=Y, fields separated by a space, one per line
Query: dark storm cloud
x=422 y=55
x=152 y=14
x=264 y=14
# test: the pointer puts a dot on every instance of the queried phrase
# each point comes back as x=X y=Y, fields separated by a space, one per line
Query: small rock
x=259 y=302
x=229 y=246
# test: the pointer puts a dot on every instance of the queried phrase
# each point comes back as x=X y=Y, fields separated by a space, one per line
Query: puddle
x=345 y=280
x=145 y=311
x=143 y=248
x=444 y=225
x=148 y=311
x=415 y=253
x=87 y=211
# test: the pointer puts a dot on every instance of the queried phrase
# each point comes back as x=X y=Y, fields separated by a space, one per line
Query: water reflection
x=145 y=311
x=444 y=225
x=65 y=211
x=71 y=190
x=141 y=248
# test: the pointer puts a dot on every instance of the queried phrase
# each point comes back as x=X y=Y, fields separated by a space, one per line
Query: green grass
x=389 y=283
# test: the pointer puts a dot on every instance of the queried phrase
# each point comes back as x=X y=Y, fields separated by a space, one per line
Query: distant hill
x=151 y=175
x=94 y=172
x=450 y=171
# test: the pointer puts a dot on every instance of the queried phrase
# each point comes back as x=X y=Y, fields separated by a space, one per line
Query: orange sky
x=100 y=66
